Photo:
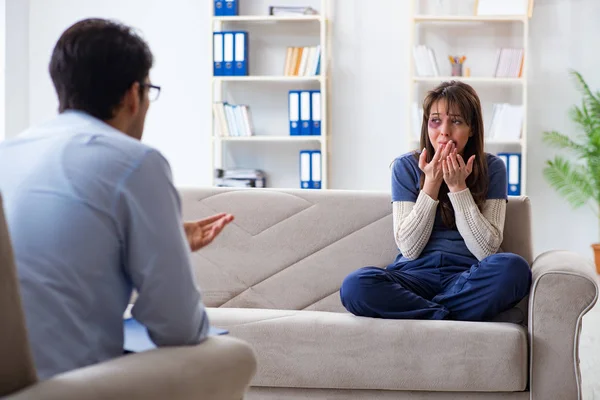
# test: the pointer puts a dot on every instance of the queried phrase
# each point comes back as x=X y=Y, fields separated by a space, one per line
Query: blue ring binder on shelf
x=226 y=8
x=310 y=169
x=294 y=112
x=513 y=172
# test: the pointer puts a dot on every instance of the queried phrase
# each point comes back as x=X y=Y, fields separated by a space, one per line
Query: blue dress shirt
x=93 y=214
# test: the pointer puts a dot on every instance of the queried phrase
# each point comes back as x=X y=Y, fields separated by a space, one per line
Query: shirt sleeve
x=481 y=230
x=413 y=223
x=414 y=211
x=156 y=255
x=405 y=179
x=497 y=188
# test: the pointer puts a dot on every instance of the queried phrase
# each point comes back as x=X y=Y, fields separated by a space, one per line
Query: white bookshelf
x=465 y=21
x=277 y=144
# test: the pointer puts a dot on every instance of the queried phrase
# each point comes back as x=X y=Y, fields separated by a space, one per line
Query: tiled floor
x=589 y=354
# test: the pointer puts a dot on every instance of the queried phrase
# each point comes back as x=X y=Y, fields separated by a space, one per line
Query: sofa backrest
x=291 y=249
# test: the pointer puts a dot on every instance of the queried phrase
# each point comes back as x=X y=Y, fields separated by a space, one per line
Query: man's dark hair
x=94 y=63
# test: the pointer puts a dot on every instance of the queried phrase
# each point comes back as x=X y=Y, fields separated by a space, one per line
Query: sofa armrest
x=220 y=368
x=564 y=289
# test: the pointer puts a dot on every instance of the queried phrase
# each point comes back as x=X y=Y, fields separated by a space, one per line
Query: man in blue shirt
x=93 y=213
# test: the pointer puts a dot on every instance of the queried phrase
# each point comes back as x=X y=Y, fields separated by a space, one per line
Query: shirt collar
x=98 y=125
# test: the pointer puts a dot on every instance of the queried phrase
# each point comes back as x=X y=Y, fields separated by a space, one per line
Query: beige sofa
x=218 y=369
x=273 y=277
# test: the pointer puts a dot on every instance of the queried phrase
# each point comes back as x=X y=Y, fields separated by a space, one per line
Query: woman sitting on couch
x=449 y=205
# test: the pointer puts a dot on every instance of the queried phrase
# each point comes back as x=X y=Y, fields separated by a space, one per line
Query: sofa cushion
x=315 y=349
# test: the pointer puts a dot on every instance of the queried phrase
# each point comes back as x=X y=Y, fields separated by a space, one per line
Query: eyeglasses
x=153 y=91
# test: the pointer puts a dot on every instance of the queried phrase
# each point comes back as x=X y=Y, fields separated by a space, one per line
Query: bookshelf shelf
x=236 y=92
x=469 y=79
x=267 y=78
x=469 y=18
x=269 y=18
x=429 y=50
x=269 y=138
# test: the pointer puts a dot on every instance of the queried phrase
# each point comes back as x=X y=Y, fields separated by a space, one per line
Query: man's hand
x=203 y=232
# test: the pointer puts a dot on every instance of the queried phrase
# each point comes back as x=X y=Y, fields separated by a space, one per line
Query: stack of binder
x=513 y=172
x=226 y=8
x=230 y=53
x=240 y=178
x=304 y=112
x=310 y=169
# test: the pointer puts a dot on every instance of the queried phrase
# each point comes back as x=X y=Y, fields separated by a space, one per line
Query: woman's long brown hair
x=462 y=98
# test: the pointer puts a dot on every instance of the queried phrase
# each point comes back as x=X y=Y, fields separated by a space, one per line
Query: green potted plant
x=577 y=179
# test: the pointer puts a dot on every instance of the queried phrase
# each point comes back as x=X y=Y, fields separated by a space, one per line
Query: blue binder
x=241 y=53
x=305 y=113
x=513 y=172
x=305 y=169
x=228 y=52
x=218 y=54
x=219 y=8
x=315 y=104
x=230 y=7
x=137 y=339
x=294 y=112
x=315 y=169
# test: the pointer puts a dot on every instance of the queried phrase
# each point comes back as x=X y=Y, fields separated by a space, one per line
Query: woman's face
x=446 y=125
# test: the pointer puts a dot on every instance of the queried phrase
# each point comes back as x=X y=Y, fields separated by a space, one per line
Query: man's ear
x=131 y=100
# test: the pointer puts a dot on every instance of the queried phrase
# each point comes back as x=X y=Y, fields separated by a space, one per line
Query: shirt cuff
x=462 y=200
x=426 y=200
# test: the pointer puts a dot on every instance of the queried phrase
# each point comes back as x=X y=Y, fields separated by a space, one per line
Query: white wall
x=369 y=97
x=179 y=36
x=17 y=67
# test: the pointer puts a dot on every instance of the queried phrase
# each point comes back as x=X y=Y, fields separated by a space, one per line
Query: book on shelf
x=292 y=10
x=509 y=63
x=233 y=119
x=302 y=61
x=425 y=61
x=240 y=178
x=506 y=123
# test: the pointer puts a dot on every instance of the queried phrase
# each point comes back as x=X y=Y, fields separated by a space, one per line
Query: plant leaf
x=561 y=141
x=591 y=101
x=570 y=181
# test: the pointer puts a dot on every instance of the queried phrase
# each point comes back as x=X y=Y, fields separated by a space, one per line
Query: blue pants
x=438 y=286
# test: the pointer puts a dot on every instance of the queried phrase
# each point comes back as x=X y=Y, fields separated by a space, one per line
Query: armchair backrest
x=517 y=228
x=16 y=365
